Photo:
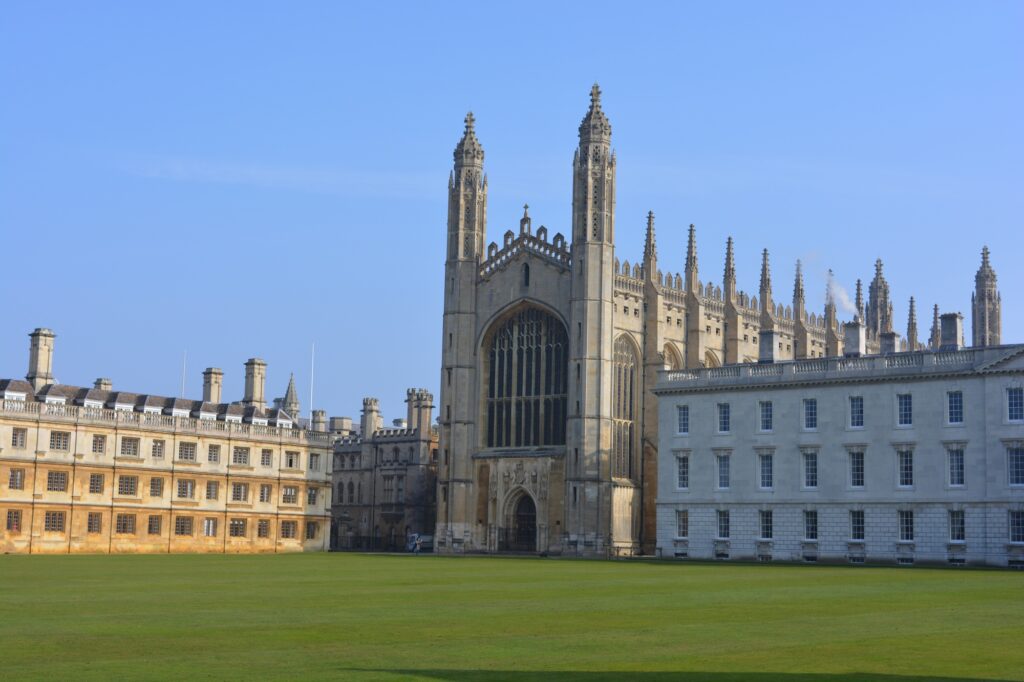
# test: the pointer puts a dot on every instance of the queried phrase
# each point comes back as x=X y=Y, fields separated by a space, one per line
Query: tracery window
x=625 y=389
x=527 y=386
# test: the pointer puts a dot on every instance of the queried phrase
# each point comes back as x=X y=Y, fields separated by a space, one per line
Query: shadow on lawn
x=579 y=676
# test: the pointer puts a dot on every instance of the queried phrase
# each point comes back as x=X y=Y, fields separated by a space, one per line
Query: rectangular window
x=94 y=523
x=129 y=447
x=810 y=413
x=957 y=527
x=19 y=438
x=266 y=492
x=240 y=456
x=723 y=471
x=723 y=523
x=766 y=470
x=291 y=460
x=682 y=523
x=810 y=469
x=153 y=528
x=766 y=524
x=1015 y=460
x=289 y=494
x=57 y=481
x=53 y=522
x=213 y=453
x=766 y=415
x=186 y=489
x=96 y=484
x=210 y=527
x=682 y=419
x=904 y=409
x=905 y=460
x=14 y=520
x=723 y=418
x=239 y=492
x=312 y=528
x=212 y=490
x=156 y=487
x=183 y=525
x=856 y=411
x=60 y=440
x=314 y=462
x=263 y=528
x=158 y=449
x=267 y=458
x=956 y=466
x=16 y=480
x=236 y=528
x=128 y=486
x=955 y=407
x=99 y=445
x=1015 y=404
x=311 y=493
x=906 y=518
x=857 y=524
x=1016 y=526
x=125 y=524
x=187 y=452
x=288 y=529
x=856 y=469
x=682 y=471
x=811 y=524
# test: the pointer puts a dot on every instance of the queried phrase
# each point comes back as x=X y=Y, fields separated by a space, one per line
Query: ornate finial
x=468 y=150
x=595 y=126
x=470 y=122
x=766 y=276
x=730 y=264
x=650 y=248
x=691 y=248
x=595 y=96
x=878 y=267
x=526 y=210
x=798 y=283
x=984 y=256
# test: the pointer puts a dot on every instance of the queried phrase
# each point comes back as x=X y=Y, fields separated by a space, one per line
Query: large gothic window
x=527 y=382
x=625 y=390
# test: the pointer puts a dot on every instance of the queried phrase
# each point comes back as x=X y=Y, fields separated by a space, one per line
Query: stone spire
x=595 y=126
x=798 y=292
x=650 y=249
x=767 y=305
x=831 y=325
x=469 y=151
x=859 y=302
x=935 y=339
x=879 y=312
x=290 y=402
x=912 y=344
x=691 y=260
x=986 y=306
x=729 y=277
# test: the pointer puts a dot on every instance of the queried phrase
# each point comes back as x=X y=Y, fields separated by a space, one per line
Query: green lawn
x=371 y=617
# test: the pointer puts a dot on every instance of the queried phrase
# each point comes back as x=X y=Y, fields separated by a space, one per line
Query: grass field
x=376 y=617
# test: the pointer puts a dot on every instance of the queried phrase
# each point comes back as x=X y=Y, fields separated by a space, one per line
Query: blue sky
x=235 y=179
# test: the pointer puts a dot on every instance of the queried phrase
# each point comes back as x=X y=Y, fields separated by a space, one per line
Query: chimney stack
x=103 y=384
x=319 y=421
x=213 y=381
x=887 y=343
x=766 y=346
x=952 y=334
x=255 y=383
x=854 y=339
x=40 y=358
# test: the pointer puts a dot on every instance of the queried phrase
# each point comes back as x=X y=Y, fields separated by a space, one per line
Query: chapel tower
x=986 y=304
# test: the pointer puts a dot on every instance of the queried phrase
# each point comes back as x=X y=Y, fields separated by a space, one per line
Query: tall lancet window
x=527 y=383
x=625 y=391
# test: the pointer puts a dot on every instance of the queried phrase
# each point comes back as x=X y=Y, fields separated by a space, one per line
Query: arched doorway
x=521 y=536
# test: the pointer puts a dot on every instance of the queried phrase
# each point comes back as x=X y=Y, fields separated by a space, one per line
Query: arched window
x=526 y=274
x=341 y=493
x=672 y=360
x=527 y=387
x=625 y=390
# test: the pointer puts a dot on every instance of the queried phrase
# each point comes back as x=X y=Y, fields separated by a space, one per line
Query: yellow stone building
x=99 y=470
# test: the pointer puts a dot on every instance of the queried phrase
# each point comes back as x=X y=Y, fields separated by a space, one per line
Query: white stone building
x=908 y=458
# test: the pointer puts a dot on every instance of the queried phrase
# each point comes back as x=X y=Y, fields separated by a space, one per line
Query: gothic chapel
x=548 y=429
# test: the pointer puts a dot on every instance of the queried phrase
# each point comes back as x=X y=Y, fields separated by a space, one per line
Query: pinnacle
x=595 y=96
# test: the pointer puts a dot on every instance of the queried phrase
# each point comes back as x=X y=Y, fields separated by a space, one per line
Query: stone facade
x=597 y=331
x=385 y=479
x=906 y=458
x=99 y=470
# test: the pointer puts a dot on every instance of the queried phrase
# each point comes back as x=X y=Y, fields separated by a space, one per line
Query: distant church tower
x=879 y=312
x=985 y=306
